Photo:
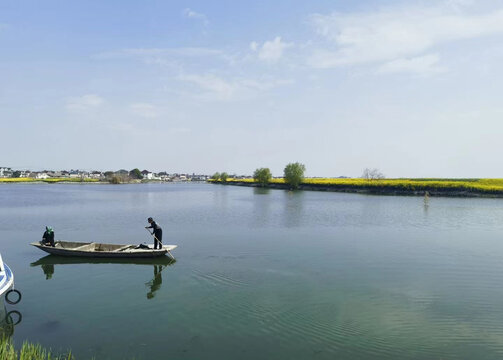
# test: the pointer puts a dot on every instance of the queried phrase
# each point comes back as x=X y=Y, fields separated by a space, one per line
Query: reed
x=29 y=351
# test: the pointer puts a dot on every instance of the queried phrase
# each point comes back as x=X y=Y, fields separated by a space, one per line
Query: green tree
x=216 y=176
x=16 y=174
x=262 y=176
x=294 y=174
x=115 y=179
x=135 y=174
x=224 y=176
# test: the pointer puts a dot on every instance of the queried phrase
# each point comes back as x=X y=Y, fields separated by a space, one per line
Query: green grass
x=28 y=351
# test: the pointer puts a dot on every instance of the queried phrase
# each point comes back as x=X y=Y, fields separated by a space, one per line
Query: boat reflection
x=47 y=263
x=8 y=320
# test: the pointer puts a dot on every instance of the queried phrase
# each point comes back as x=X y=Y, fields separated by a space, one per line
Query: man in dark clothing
x=48 y=236
x=157 y=232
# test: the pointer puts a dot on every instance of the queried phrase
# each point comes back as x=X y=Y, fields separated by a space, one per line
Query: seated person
x=48 y=236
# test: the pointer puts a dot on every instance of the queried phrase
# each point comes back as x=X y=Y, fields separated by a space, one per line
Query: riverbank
x=404 y=187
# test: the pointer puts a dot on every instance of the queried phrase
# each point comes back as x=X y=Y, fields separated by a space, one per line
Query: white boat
x=99 y=250
x=6 y=279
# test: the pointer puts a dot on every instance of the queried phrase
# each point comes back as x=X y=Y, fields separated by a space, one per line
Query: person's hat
x=150 y=219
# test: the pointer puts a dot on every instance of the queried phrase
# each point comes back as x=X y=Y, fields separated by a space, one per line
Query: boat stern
x=6 y=278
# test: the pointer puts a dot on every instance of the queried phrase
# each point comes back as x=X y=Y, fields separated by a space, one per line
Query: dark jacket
x=157 y=229
x=48 y=236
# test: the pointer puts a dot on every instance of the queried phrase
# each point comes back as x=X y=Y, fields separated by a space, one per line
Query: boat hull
x=97 y=250
x=6 y=280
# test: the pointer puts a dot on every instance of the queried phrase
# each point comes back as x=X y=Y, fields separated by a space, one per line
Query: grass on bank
x=28 y=351
x=477 y=185
x=50 y=180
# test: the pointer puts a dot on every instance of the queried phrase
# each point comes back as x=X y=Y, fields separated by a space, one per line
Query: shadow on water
x=261 y=191
x=48 y=262
x=8 y=320
x=294 y=207
x=261 y=207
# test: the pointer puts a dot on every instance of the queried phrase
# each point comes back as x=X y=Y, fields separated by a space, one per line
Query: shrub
x=294 y=174
x=262 y=176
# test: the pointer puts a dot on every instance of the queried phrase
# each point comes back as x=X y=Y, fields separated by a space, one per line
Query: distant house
x=147 y=174
x=96 y=175
x=5 y=172
x=199 y=177
x=42 y=175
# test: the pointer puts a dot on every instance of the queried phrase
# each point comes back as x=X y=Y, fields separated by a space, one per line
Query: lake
x=265 y=274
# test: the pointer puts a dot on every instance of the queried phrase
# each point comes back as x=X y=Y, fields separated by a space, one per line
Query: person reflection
x=156 y=282
x=48 y=270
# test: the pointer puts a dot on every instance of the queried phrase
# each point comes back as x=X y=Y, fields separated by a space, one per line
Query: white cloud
x=84 y=102
x=191 y=14
x=212 y=84
x=144 y=110
x=421 y=65
x=400 y=32
x=152 y=52
x=264 y=83
x=272 y=50
x=217 y=88
x=169 y=57
x=180 y=130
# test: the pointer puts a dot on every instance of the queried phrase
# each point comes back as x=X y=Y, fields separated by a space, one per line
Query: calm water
x=259 y=274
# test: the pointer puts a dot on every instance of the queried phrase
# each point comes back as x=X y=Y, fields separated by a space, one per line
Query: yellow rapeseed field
x=50 y=180
x=476 y=185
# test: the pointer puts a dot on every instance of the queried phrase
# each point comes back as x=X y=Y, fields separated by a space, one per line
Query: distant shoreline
x=9 y=181
x=395 y=187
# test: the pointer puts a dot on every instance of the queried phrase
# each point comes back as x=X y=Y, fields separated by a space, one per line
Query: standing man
x=157 y=232
x=48 y=236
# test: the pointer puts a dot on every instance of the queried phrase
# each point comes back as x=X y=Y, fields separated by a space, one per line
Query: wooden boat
x=98 y=250
x=6 y=278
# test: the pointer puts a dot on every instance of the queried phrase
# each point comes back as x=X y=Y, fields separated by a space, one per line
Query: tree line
x=293 y=174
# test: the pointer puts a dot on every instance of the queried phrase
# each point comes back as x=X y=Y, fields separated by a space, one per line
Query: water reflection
x=156 y=282
x=48 y=270
x=294 y=204
x=159 y=264
x=261 y=207
x=426 y=202
x=261 y=191
x=8 y=320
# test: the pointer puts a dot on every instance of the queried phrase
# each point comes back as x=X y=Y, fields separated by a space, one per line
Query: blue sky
x=410 y=87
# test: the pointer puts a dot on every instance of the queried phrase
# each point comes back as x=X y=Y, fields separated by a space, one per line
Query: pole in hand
x=155 y=237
